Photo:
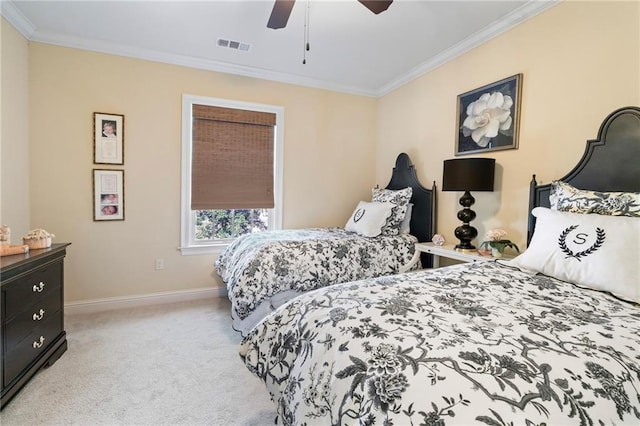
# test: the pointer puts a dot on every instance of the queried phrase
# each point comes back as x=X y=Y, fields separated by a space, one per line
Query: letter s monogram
x=581 y=238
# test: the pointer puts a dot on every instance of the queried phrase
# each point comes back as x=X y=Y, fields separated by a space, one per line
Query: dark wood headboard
x=423 y=216
x=610 y=163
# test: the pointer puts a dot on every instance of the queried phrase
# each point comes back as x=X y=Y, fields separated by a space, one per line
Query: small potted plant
x=496 y=242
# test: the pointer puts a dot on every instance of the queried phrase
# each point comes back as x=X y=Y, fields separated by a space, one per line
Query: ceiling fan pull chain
x=306 y=34
x=307 y=22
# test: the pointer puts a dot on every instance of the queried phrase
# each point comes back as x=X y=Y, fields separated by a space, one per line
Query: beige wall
x=14 y=132
x=329 y=155
x=579 y=60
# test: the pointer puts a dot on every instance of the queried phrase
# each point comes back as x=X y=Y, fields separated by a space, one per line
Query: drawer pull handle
x=38 y=343
x=37 y=316
x=37 y=288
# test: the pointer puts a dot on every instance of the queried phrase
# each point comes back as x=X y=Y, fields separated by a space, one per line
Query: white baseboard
x=111 y=303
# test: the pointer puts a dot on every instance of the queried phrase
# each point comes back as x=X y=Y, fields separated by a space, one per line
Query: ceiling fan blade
x=376 y=6
x=280 y=14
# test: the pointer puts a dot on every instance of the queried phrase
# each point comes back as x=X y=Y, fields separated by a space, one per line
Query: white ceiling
x=351 y=49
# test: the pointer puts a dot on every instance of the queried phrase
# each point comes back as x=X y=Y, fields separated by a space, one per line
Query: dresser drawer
x=26 y=321
x=28 y=350
x=31 y=288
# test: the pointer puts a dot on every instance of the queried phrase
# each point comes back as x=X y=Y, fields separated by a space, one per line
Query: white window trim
x=188 y=244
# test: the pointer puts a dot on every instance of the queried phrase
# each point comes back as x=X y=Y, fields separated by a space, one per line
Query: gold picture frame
x=108 y=138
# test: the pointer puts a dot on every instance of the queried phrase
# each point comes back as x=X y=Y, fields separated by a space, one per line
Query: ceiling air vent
x=232 y=44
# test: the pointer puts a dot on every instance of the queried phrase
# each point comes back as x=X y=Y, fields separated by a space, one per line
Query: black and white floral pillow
x=401 y=200
x=566 y=198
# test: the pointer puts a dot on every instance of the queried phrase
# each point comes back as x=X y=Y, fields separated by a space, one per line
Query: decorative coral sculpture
x=437 y=239
x=38 y=239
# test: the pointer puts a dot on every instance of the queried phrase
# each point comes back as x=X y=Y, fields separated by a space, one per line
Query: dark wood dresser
x=32 y=314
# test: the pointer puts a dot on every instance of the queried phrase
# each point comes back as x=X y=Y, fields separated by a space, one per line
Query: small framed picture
x=108 y=195
x=488 y=118
x=108 y=138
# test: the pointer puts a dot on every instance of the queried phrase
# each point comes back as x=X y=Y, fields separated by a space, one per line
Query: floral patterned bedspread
x=467 y=344
x=263 y=270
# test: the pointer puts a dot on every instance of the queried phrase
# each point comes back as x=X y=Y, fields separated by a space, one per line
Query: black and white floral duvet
x=467 y=344
x=263 y=270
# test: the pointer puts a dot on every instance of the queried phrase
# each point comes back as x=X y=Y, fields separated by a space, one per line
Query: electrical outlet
x=159 y=264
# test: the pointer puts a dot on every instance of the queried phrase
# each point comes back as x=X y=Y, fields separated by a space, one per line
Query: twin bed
x=551 y=337
x=264 y=270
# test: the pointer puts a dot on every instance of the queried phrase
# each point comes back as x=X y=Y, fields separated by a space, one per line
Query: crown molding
x=12 y=14
x=515 y=18
x=26 y=28
x=189 y=61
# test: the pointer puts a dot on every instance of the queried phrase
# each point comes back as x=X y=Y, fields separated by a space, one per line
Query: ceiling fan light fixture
x=282 y=10
x=376 y=6
x=280 y=14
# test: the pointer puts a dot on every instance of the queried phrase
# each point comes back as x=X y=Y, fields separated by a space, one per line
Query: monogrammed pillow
x=590 y=250
x=369 y=218
x=567 y=198
x=400 y=199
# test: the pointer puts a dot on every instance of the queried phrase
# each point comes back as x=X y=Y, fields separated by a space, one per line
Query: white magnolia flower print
x=487 y=116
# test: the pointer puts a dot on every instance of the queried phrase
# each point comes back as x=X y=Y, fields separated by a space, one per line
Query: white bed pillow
x=400 y=198
x=369 y=218
x=590 y=250
x=405 y=226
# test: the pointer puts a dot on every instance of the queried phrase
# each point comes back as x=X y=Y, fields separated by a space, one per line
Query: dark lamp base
x=465 y=233
x=465 y=250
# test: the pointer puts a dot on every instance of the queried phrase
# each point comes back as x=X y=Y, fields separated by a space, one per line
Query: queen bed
x=551 y=337
x=264 y=270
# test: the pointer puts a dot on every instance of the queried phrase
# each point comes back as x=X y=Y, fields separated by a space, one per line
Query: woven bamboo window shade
x=232 y=159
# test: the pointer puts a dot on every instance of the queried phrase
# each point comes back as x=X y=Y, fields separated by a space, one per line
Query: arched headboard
x=610 y=163
x=423 y=217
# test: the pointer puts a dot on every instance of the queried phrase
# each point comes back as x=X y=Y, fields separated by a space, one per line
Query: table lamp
x=468 y=174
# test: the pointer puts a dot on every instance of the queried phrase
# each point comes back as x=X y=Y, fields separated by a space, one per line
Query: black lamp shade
x=468 y=174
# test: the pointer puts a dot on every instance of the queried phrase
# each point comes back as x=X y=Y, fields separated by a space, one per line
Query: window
x=229 y=224
x=216 y=135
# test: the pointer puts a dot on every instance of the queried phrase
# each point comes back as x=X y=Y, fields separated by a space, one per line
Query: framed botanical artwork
x=108 y=195
x=488 y=118
x=108 y=138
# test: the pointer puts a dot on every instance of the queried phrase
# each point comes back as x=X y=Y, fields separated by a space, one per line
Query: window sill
x=203 y=249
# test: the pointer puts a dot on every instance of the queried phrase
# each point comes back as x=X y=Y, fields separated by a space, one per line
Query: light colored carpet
x=172 y=364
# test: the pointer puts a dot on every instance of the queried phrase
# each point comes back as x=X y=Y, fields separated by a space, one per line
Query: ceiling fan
x=282 y=10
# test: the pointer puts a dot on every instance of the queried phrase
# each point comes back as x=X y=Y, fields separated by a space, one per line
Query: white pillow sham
x=369 y=217
x=594 y=251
